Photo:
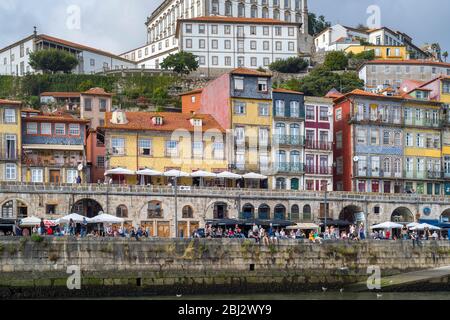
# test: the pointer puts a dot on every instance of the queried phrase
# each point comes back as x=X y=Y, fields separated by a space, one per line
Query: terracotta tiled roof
x=191 y=92
x=61 y=94
x=79 y=46
x=362 y=93
x=250 y=72
x=55 y=118
x=29 y=110
x=240 y=20
x=97 y=92
x=171 y=121
x=10 y=102
x=282 y=90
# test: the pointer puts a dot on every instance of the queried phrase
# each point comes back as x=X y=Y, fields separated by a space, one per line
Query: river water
x=313 y=296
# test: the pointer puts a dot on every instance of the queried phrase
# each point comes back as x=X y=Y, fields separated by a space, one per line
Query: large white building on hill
x=164 y=32
x=14 y=59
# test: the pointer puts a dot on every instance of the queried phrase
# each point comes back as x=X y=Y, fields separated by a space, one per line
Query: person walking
x=84 y=228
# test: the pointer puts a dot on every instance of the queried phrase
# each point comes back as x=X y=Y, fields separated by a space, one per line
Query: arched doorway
x=307 y=213
x=220 y=210
x=295 y=213
x=87 y=207
x=280 y=212
x=248 y=211
x=402 y=215
x=264 y=212
x=187 y=212
x=349 y=213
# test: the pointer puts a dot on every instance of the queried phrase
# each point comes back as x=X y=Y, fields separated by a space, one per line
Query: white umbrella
x=412 y=225
x=120 y=171
x=424 y=226
x=106 y=218
x=229 y=175
x=255 y=176
x=387 y=225
x=203 y=174
x=30 y=222
x=149 y=172
x=176 y=173
x=75 y=217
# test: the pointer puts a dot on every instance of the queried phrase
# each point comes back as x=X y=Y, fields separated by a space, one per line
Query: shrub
x=289 y=65
x=36 y=238
x=336 y=60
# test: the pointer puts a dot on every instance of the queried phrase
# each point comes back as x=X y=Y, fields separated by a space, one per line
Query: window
x=198 y=148
x=228 y=61
x=215 y=44
x=71 y=176
x=374 y=135
x=145 y=147
x=339 y=114
x=266 y=62
x=420 y=140
x=239 y=134
x=262 y=85
x=241 y=61
x=187 y=212
x=10 y=116
x=74 y=129
x=171 y=147
x=278 y=46
x=189 y=43
x=253 y=45
x=100 y=162
x=201 y=43
x=386 y=137
x=263 y=109
x=361 y=136
x=37 y=175
x=239 y=107
x=32 y=128
x=339 y=140
x=10 y=171
x=215 y=60
x=60 y=129
x=88 y=104
x=295 y=109
x=214 y=29
x=227 y=44
x=291 y=32
x=253 y=30
x=280 y=108
x=118 y=146
x=122 y=211
x=266 y=46
x=446 y=86
x=238 y=83
x=323 y=113
x=227 y=29
x=266 y=31
x=102 y=105
x=201 y=29
x=310 y=113
x=189 y=28
x=339 y=165
x=291 y=46
x=253 y=61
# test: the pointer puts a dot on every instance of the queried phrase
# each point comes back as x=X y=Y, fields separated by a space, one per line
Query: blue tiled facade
x=251 y=88
x=53 y=139
x=288 y=98
x=380 y=148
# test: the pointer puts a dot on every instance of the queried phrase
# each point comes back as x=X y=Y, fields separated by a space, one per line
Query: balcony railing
x=9 y=155
x=318 y=145
x=54 y=163
x=423 y=175
x=286 y=167
x=318 y=170
x=289 y=140
x=379 y=120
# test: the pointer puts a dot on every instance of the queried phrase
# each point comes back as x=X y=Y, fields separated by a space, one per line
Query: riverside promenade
x=40 y=267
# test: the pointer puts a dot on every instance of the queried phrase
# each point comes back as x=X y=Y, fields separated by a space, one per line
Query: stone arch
x=8 y=205
x=220 y=210
x=307 y=213
x=248 y=211
x=445 y=216
x=279 y=213
x=87 y=207
x=122 y=211
x=187 y=212
x=349 y=212
x=402 y=214
x=264 y=212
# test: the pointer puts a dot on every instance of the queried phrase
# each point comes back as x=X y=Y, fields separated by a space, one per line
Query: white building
x=162 y=23
x=339 y=37
x=14 y=59
x=222 y=43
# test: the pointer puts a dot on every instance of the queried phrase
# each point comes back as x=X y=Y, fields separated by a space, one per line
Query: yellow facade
x=160 y=159
x=382 y=52
x=10 y=128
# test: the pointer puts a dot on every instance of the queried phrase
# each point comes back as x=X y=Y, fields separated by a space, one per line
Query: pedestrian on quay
x=42 y=229
x=362 y=232
x=71 y=227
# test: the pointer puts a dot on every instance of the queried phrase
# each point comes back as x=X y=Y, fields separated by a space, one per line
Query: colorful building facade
x=382 y=52
x=10 y=140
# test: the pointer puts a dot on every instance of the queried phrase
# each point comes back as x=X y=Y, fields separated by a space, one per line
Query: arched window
x=264 y=212
x=298 y=18
x=215 y=7
x=387 y=166
x=241 y=10
x=307 y=213
x=7 y=210
x=287 y=16
x=228 y=8
x=188 y=212
x=281 y=184
x=276 y=14
x=280 y=129
x=280 y=212
x=265 y=12
x=295 y=159
x=295 y=213
x=122 y=211
x=397 y=167
x=254 y=12
x=248 y=211
x=154 y=210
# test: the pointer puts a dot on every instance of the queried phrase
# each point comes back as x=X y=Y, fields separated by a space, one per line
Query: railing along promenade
x=215 y=192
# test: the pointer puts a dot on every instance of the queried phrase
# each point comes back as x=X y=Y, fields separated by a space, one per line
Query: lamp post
x=326 y=204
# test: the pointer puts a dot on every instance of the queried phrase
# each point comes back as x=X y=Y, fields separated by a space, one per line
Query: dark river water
x=313 y=296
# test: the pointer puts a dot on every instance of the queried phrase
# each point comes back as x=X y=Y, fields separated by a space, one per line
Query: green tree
x=317 y=24
x=445 y=55
x=289 y=65
x=182 y=62
x=321 y=80
x=160 y=97
x=53 y=61
x=336 y=60
x=86 y=85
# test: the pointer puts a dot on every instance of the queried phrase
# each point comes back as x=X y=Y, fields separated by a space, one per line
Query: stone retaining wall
x=156 y=266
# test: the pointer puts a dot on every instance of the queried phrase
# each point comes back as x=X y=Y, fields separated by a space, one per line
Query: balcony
x=318 y=145
x=286 y=167
x=9 y=155
x=318 y=170
x=288 y=140
x=379 y=120
x=424 y=175
x=424 y=123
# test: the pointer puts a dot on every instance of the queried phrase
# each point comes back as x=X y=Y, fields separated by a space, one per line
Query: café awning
x=229 y=175
x=149 y=172
x=203 y=174
x=255 y=176
x=120 y=171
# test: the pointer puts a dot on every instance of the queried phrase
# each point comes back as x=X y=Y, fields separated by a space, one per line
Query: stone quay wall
x=124 y=267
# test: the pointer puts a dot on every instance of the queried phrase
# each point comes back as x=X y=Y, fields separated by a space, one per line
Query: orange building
x=191 y=101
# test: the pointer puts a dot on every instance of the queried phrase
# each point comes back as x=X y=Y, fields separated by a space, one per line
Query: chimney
x=35 y=31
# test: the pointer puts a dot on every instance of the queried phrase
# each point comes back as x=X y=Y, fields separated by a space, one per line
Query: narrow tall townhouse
x=10 y=140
